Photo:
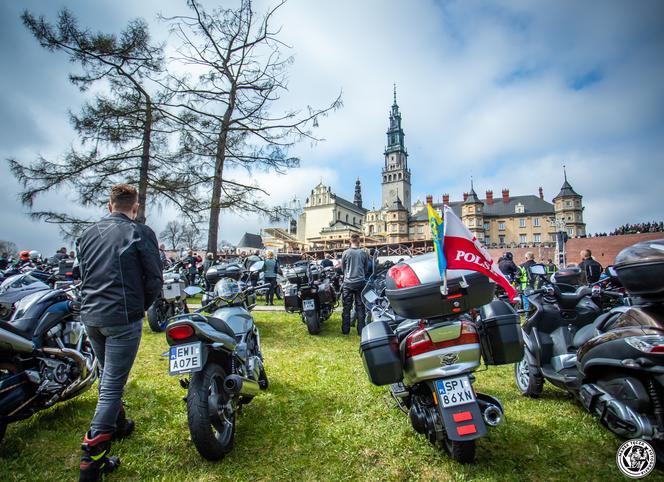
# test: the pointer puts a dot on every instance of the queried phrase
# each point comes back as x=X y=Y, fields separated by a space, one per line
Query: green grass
x=319 y=420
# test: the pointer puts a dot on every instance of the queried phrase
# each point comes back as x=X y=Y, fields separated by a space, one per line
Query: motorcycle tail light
x=647 y=344
x=419 y=341
x=403 y=276
x=180 y=332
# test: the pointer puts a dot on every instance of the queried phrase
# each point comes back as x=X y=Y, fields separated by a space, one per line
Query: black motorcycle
x=612 y=362
x=45 y=355
x=310 y=291
x=220 y=353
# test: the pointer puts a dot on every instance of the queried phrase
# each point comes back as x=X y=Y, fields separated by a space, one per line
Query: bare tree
x=121 y=132
x=226 y=113
x=191 y=236
x=172 y=233
x=8 y=248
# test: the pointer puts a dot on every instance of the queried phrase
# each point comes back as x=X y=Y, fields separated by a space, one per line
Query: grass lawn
x=320 y=419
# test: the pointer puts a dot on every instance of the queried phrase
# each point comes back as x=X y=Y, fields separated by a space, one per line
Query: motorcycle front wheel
x=210 y=414
x=529 y=379
x=312 y=319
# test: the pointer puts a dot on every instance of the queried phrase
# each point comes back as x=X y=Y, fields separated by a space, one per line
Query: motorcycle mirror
x=538 y=269
x=192 y=290
x=257 y=266
x=612 y=271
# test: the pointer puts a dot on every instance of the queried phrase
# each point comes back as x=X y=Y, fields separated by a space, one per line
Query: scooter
x=612 y=362
x=220 y=358
x=45 y=355
x=425 y=344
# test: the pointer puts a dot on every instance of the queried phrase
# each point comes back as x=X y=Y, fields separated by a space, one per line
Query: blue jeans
x=116 y=348
x=524 y=302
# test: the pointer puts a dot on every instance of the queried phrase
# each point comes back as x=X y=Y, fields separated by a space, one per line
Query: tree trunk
x=220 y=157
x=145 y=162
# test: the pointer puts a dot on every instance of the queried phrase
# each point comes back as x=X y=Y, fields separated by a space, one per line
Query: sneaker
x=94 y=458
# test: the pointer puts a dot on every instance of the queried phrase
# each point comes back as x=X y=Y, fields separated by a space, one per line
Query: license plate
x=185 y=358
x=308 y=305
x=455 y=391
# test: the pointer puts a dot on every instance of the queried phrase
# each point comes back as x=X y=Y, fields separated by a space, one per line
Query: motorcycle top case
x=501 y=339
x=219 y=271
x=298 y=273
x=570 y=275
x=640 y=269
x=425 y=300
x=380 y=354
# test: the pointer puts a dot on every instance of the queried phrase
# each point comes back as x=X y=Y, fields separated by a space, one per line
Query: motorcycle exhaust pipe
x=492 y=415
x=16 y=342
x=237 y=385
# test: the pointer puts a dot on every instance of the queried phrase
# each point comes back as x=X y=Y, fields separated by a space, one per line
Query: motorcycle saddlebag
x=326 y=293
x=501 y=340
x=425 y=300
x=640 y=269
x=291 y=301
x=380 y=354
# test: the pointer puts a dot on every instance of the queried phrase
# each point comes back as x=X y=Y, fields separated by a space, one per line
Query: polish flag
x=463 y=251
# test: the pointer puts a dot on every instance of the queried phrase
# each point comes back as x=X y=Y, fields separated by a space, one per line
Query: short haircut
x=123 y=197
x=354 y=238
x=587 y=253
x=530 y=255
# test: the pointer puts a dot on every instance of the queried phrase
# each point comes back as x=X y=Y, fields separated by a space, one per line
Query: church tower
x=568 y=209
x=396 y=175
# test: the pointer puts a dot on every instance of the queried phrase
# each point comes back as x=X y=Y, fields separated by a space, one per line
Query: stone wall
x=541 y=254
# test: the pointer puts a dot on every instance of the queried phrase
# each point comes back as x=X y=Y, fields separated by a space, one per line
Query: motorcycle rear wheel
x=312 y=320
x=211 y=424
x=461 y=451
x=154 y=320
x=528 y=378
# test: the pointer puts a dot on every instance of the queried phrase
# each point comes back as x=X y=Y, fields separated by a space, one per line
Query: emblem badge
x=449 y=358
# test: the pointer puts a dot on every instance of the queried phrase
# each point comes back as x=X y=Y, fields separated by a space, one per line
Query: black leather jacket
x=120 y=270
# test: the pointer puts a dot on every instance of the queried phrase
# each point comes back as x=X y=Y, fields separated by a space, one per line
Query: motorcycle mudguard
x=461 y=422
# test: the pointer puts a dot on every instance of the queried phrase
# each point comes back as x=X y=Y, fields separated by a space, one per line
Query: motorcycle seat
x=570 y=300
x=591 y=330
x=15 y=330
x=221 y=326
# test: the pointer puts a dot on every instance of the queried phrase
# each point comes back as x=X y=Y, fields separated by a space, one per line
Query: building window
x=501 y=225
x=523 y=238
x=568 y=204
x=420 y=229
x=522 y=222
x=346 y=217
x=570 y=232
x=536 y=222
x=487 y=240
x=371 y=229
x=338 y=215
x=486 y=226
x=537 y=238
x=353 y=220
x=501 y=239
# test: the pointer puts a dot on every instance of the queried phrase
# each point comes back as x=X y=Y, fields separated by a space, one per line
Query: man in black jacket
x=120 y=278
x=590 y=267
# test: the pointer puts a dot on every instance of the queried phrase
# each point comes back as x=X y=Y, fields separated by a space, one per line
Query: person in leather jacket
x=508 y=267
x=121 y=276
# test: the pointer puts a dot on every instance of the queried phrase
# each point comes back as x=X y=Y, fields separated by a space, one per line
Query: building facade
x=505 y=221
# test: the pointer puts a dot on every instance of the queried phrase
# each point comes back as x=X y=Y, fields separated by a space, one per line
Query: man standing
x=190 y=267
x=526 y=279
x=355 y=265
x=551 y=268
x=589 y=266
x=120 y=278
x=162 y=256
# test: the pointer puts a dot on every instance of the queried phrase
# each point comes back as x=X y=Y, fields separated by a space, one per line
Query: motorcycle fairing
x=237 y=318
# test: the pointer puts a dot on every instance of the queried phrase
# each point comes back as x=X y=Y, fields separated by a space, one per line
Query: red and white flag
x=463 y=251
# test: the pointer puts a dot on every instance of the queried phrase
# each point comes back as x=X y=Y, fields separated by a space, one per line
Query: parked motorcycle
x=611 y=362
x=220 y=353
x=14 y=289
x=172 y=300
x=310 y=292
x=425 y=344
x=45 y=355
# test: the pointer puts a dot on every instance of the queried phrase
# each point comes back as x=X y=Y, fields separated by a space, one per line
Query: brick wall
x=605 y=248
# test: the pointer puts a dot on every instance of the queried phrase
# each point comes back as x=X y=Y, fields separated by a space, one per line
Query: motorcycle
x=425 y=342
x=14 y=289
x=171 y=301
x=610 y=362
x=221 y=356
x=45 y=355
x=311 y=293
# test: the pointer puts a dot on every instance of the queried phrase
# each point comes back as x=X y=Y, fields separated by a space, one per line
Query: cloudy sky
x=505 y=91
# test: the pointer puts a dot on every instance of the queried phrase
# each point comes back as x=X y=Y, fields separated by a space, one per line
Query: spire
x=358 y=193
x=395 y=135
x=472 y=195
x=566 y=189
x=395 y=93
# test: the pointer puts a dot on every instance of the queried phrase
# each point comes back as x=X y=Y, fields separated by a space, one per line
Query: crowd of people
x=33 y=259
x=638 y=228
